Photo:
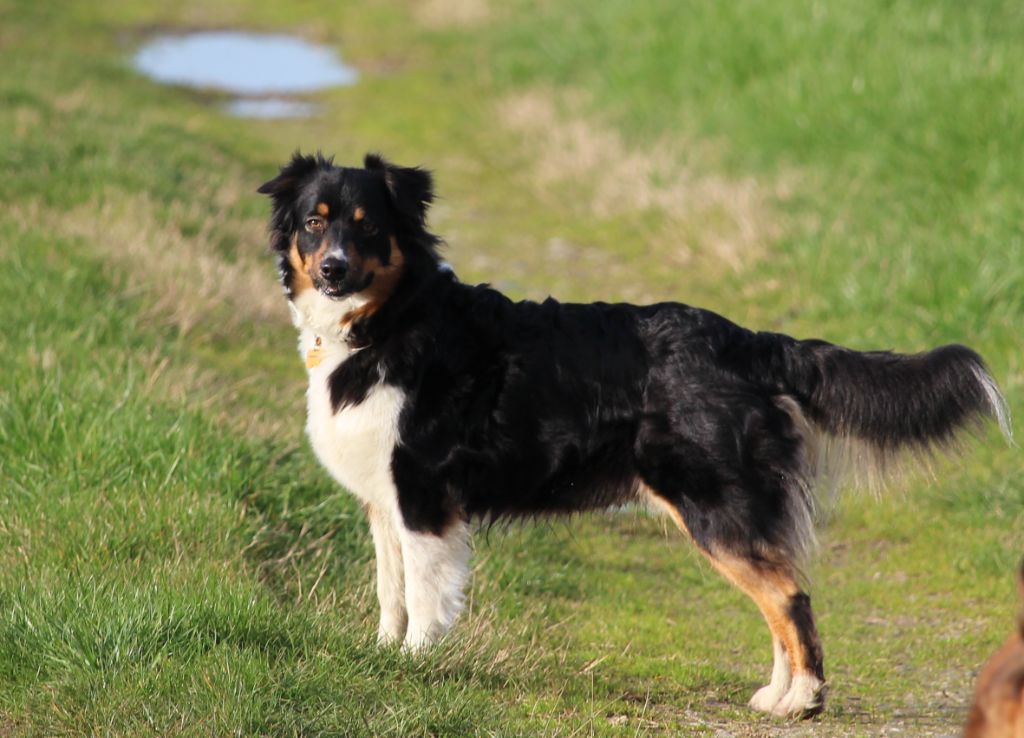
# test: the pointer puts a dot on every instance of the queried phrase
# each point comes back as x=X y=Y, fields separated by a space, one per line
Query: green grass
x=175 y=562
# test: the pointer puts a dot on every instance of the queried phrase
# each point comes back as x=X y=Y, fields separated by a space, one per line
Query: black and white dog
x=436 y=402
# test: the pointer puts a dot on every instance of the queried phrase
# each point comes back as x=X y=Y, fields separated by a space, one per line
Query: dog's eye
x=359 y=222
x=315 y=225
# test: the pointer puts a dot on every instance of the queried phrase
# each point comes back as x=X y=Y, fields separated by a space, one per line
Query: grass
x=175 y=562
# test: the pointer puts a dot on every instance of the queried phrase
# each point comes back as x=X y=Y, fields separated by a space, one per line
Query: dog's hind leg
x=436 y=567
x=797 y=687
x=390 y=575
x=787 y=610
x=730 y=467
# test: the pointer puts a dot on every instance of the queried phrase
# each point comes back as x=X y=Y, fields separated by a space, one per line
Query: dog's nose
x=333 y=269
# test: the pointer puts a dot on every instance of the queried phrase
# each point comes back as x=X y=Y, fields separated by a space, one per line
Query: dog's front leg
x=390 y=575
x=436 y=567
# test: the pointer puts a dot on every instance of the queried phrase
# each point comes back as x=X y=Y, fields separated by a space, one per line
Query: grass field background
x=174 y=561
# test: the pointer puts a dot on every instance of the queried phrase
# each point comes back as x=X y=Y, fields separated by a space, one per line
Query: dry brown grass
x=447 y=13
x=182 y=278
x=168 y=260
x=730 y=218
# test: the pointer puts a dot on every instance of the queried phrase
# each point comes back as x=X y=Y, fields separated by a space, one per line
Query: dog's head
x=346 y=232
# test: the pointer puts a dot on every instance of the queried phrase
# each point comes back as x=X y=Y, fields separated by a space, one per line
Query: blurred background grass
x=175 y=562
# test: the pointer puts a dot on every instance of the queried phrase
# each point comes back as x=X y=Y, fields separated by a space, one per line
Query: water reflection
x=256 y=67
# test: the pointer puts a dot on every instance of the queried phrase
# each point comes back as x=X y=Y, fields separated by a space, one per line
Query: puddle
x=270 y=107
x=259 y=69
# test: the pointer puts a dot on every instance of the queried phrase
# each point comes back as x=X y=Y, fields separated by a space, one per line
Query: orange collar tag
x=315 y=355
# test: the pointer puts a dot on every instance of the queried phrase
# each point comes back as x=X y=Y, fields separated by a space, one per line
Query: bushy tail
x=869 y=407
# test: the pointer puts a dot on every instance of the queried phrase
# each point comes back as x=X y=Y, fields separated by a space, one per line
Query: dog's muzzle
x=333 y=271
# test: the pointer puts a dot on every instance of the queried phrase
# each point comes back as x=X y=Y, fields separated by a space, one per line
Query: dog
x=439 y=403
x=998 y=709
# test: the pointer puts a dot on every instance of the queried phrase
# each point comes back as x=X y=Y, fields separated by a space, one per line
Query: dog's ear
x=283 y=189
x=411 y=188
x=285 y=184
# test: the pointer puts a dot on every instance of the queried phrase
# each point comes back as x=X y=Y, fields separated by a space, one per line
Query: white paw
x=414 y=646
x=390 y=631
x=806 y=697
x=767 y=697
x=394 y=622
x=419 y=639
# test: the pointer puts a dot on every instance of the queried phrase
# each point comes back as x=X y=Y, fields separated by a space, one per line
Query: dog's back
x=998 y=710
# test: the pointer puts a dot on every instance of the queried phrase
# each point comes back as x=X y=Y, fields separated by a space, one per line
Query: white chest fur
x=356 y=443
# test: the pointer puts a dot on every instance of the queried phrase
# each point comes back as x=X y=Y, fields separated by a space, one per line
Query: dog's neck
x=333 y=329
x=323 y=329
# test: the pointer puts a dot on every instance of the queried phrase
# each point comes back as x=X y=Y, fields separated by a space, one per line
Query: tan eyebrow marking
x=323 y=209
x=358 y=214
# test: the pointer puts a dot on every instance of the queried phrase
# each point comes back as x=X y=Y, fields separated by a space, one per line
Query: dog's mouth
x=343 y=288
x=335 y=291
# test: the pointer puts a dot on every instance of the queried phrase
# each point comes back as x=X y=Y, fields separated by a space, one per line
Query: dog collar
x=315 y=355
